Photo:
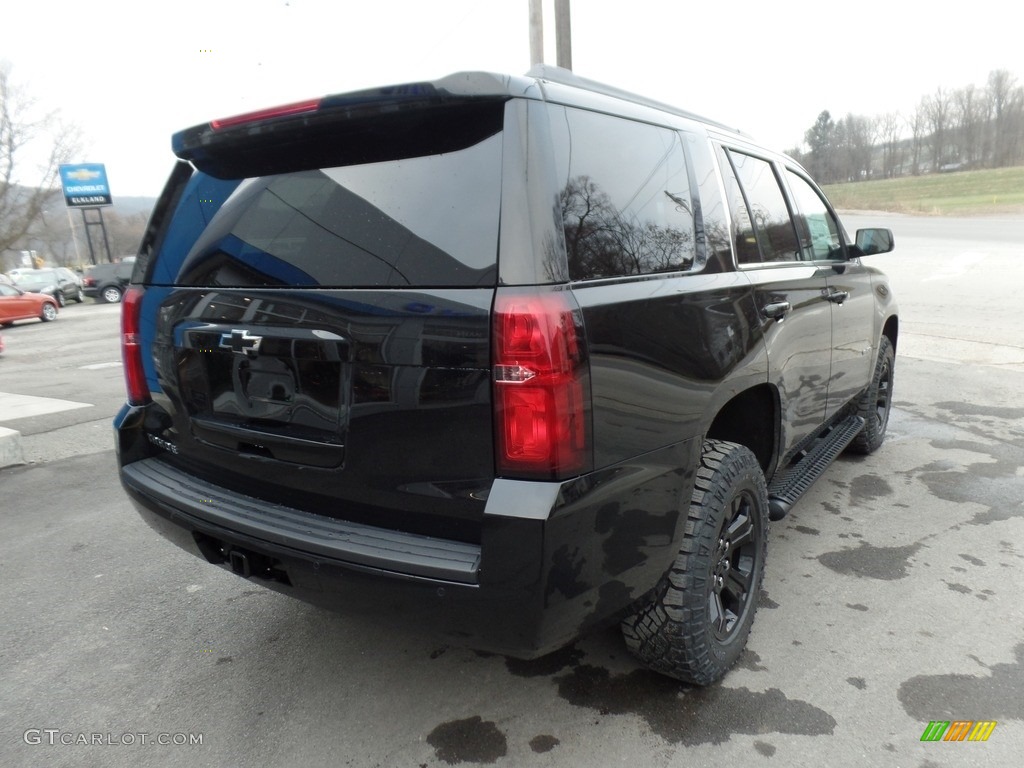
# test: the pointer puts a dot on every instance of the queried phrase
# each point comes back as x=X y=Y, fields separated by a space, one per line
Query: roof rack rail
x=564 y=76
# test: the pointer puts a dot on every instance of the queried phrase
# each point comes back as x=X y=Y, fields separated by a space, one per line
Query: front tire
x=79 y=296
x=696 y=622
x=876 y=402
x=48 y=313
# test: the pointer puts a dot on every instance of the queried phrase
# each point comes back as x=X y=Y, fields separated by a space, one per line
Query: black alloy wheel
x=733 y=569
x=875 y=404
x=694 y=624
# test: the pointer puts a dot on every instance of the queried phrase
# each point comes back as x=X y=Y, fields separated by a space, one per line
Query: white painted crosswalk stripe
x=14 y=406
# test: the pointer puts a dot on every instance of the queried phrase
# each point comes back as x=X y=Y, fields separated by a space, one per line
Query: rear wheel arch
x=694 y=624
x=892 y=330
x=751 y=419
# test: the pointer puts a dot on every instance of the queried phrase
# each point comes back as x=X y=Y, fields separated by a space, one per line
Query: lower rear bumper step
x=791 y=483
x=395 y=551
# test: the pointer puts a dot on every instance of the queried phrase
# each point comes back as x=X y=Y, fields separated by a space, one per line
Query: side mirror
x=872 y=241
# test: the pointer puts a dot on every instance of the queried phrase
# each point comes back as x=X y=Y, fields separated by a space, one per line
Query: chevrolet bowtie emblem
x=240 y=342
x=83 y=174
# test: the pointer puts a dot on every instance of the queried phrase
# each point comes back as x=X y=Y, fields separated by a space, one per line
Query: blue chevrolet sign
x=85 y=185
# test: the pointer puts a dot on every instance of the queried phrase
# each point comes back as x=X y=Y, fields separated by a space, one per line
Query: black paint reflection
x=602 y=242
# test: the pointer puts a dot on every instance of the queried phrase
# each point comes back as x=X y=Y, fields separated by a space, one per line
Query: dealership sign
x=85 y=185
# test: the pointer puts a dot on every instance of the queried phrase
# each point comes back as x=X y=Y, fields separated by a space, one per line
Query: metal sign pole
x=74 y=236
x=106 y=241
x=88 y=236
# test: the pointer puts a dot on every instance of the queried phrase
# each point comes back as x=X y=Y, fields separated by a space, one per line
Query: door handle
x=838 y=297
x=777 y=310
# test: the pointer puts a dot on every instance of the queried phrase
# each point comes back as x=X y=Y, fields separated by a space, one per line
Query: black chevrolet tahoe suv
x=106 y=282
x=504 y=358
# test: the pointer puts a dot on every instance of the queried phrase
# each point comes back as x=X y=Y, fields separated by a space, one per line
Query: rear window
x=425 y=221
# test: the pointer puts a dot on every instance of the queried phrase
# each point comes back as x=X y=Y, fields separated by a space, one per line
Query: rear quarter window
x=626 y=196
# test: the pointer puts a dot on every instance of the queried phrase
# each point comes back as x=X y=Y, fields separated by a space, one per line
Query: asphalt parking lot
x=892 y=593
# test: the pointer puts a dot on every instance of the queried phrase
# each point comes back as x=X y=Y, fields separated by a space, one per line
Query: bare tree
x=971 y=125
x=1006 y=113
x=967 y=113
x=890 y=131
x=840 y=153
x=917 y=122
x=24 y=131
x=1015 y=146
x=600 y=241
x=124 y=232
x=859 y=135
x=50 y=233
x=937 y=111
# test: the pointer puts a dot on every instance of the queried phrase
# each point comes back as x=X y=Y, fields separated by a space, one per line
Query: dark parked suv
x=106 y=282
x=504 y=358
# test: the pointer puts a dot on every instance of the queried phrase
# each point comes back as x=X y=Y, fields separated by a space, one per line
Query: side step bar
x=790 y=484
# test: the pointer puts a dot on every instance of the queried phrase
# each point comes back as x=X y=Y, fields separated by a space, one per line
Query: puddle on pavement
x=867 y=561
x=692 y=716
x=993 y=696
x=473 y=740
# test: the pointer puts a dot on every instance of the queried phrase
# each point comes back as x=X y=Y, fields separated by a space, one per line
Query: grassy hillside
x=945 y=194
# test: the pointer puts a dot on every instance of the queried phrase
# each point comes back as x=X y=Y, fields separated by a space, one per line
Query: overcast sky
x=131 y=73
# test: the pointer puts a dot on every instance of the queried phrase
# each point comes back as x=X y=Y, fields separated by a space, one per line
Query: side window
x=817 y=227
x=743 y=238
x=626 y=195
x=762 y=223
x=711 y=215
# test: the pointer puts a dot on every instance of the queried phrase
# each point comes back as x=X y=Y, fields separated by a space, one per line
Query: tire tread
x=670 y=632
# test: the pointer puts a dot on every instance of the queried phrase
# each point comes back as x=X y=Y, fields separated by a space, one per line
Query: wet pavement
x=892 y=599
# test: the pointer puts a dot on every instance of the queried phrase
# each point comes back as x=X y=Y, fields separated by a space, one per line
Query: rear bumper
x=190 y=498
x=554 y=559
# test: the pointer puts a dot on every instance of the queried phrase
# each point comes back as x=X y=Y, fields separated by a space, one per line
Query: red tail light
x=285 y=110
x=541 y=387
x=131 y=346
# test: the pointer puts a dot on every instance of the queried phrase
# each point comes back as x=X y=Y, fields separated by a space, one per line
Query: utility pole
x=563 y=34
x=536 y=33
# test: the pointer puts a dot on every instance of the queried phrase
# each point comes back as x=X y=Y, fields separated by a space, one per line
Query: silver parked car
x=59 y=282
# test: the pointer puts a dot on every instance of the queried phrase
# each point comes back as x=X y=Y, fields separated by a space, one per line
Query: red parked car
x=16 y=304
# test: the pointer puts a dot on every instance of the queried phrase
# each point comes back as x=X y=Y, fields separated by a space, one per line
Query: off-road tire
x=694 y=624
x=876 y=402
